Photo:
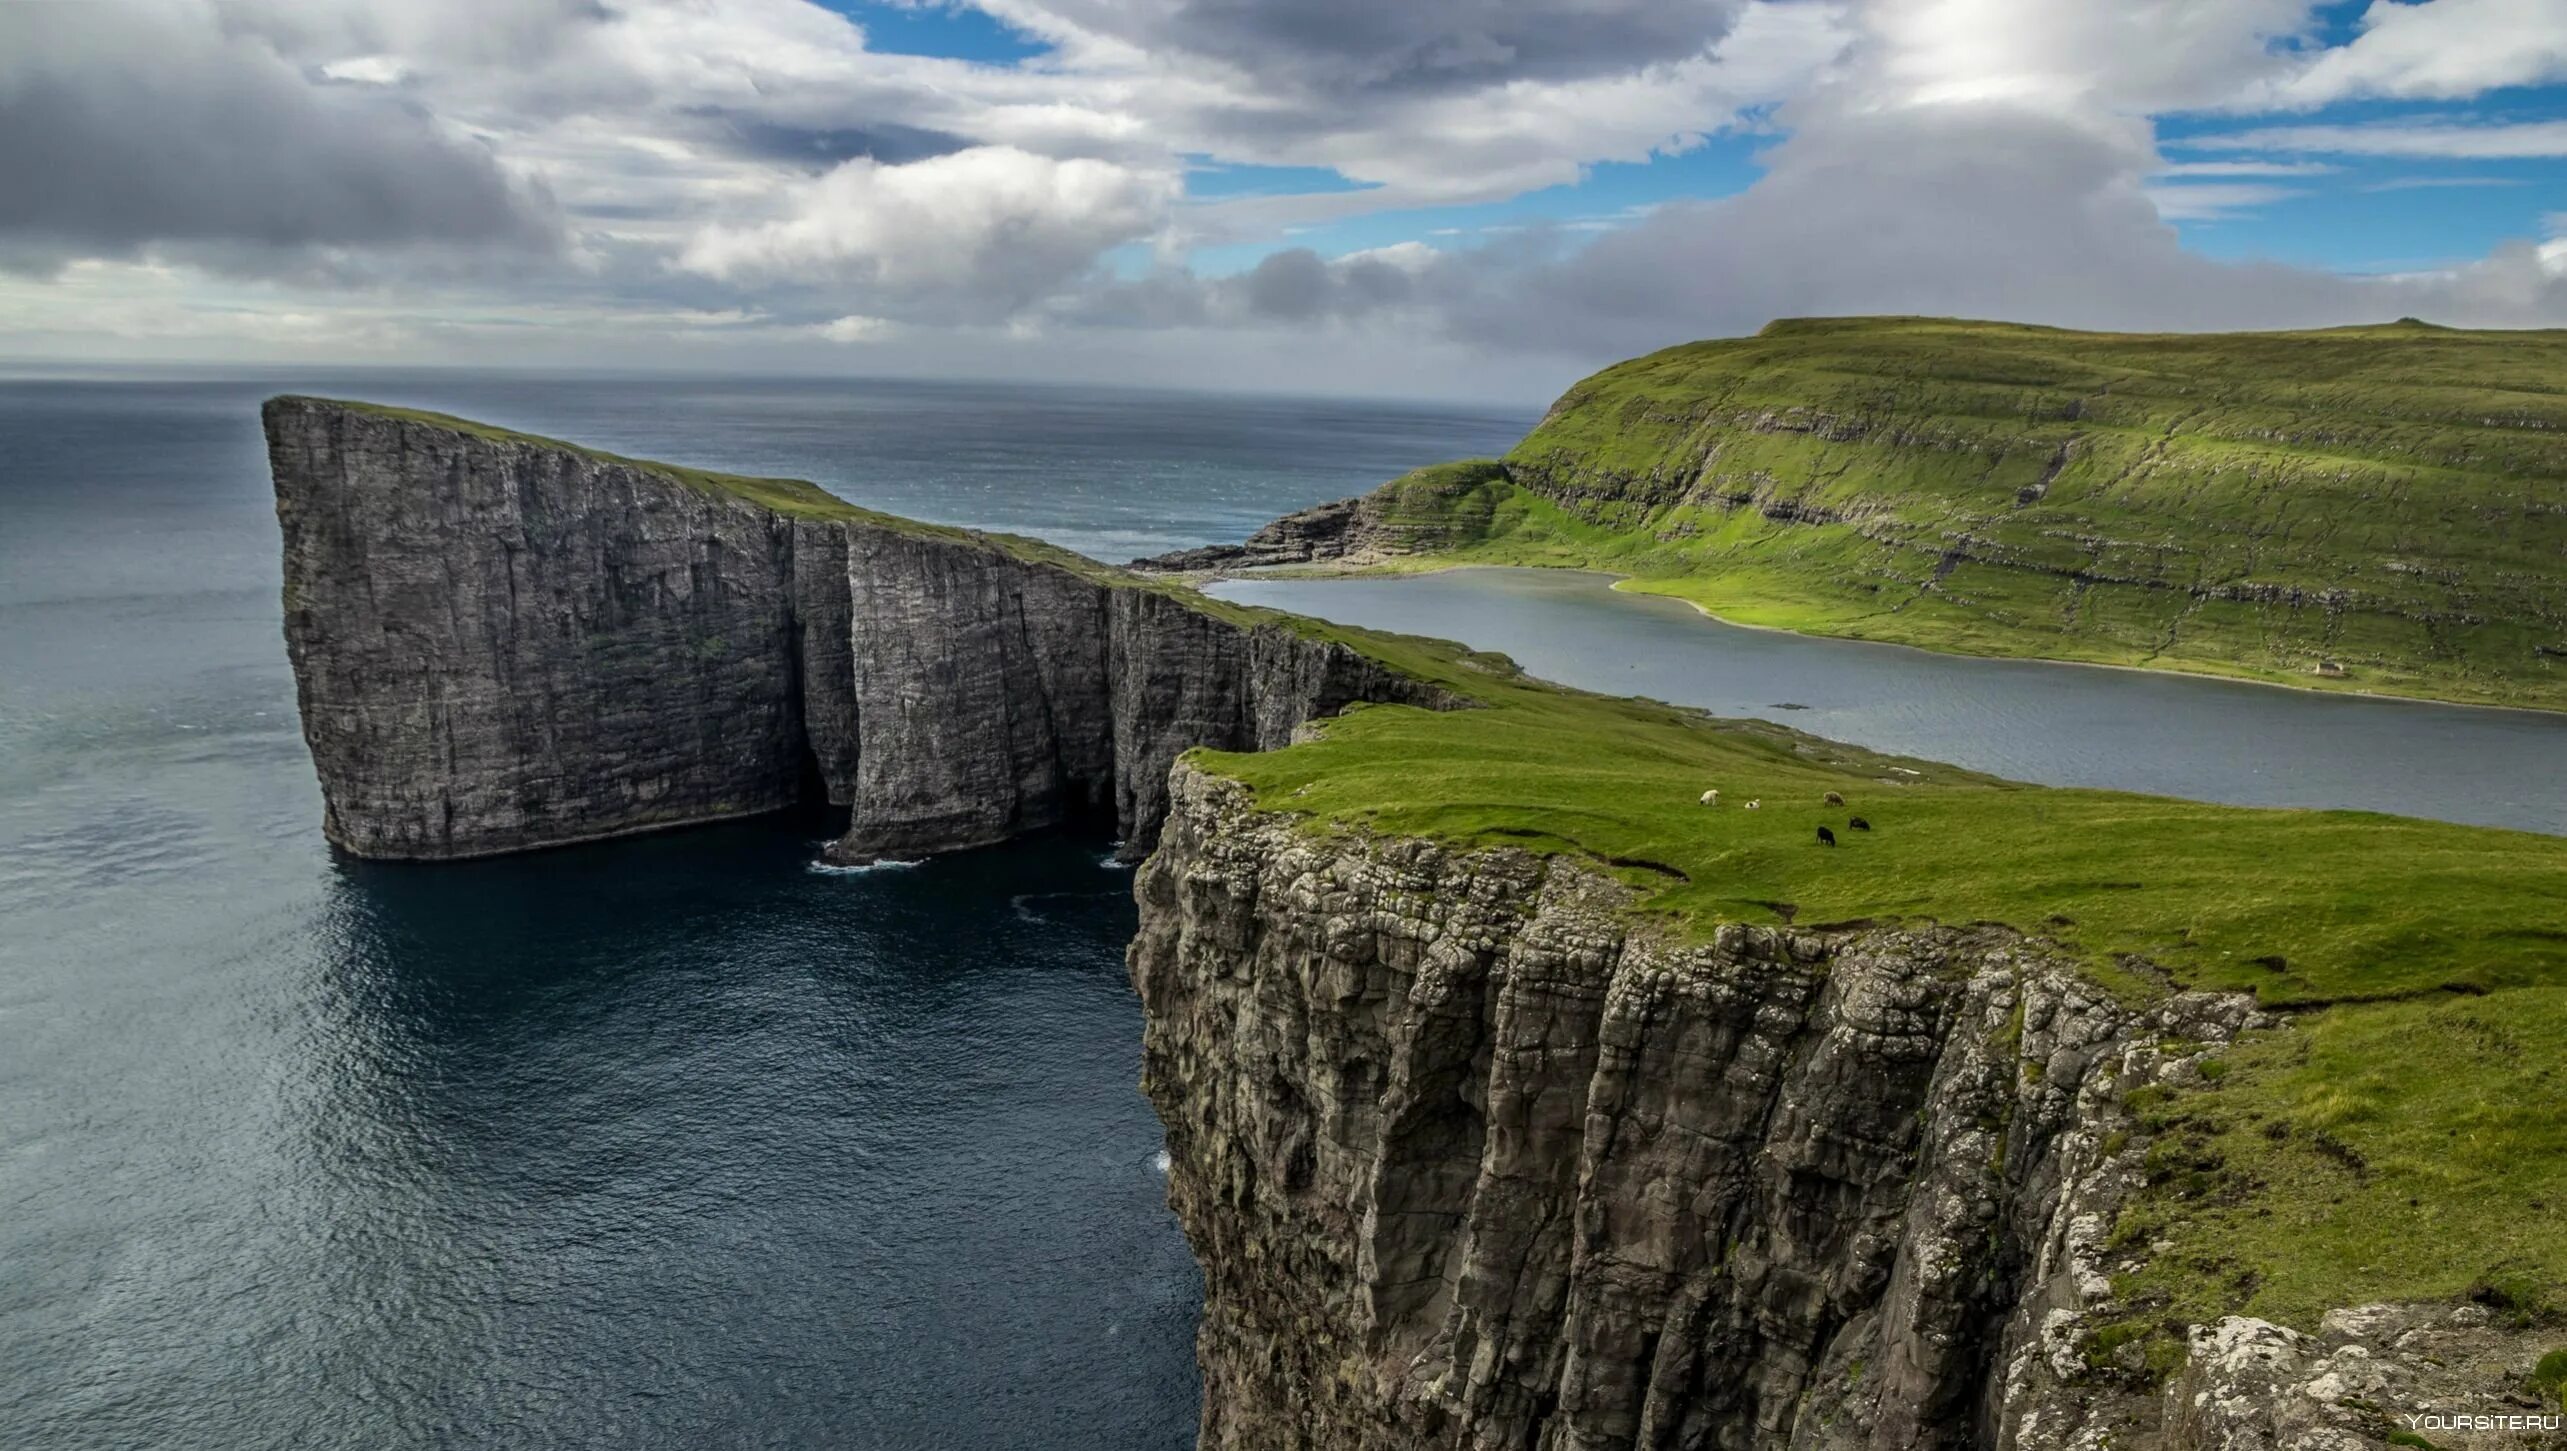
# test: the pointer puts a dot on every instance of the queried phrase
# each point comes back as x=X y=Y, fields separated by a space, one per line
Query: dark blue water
x=2062 y=725
x=666 y=1143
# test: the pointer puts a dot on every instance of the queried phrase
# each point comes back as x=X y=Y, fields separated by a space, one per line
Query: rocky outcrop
x=1443 y=506
x=1318 y=534
x=2452 y=1376
x=1470 y=1161
x=502 y=642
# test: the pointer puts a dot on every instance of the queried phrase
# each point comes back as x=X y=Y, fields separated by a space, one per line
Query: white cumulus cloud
x=990 y=227
x=2442 y=50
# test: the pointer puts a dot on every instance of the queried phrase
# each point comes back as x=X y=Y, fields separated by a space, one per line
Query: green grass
x=2390 y=499
x=2300 y=907
x=792 y=497
x=2426 y=964
x=2380 y=1152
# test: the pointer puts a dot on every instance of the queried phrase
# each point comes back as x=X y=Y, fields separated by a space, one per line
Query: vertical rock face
x=1471 y=1164
x=499 y=646
x=503 y=643
x=981 y=695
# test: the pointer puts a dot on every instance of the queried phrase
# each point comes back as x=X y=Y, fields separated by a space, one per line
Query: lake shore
x=1393 y=568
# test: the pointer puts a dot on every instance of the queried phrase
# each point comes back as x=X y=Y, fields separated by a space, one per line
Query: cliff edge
x=1474 y=1156
x=503 y=642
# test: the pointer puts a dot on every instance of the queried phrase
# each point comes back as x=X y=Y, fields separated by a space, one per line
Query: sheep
x=1711 y=797
x=1833 y=799
x=1752 y=805
x=1826 y=837
x=1858 y=823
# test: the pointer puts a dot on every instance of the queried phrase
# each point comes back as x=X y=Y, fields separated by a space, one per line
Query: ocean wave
x=828 y=868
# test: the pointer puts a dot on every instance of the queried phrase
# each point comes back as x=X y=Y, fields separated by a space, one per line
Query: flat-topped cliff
x=504 y=642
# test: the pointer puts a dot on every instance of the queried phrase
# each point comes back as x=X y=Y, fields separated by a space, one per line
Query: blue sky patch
x=946 y=31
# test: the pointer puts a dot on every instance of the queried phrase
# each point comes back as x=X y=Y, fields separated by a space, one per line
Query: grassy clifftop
x=792 y=498
x=2385 y=502
x=2399 y=1141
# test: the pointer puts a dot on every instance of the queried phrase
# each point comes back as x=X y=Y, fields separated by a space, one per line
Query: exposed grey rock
x=500 y=646
x=1322 y=532
x=502 y=643
x=2450 y=1375
x=1472 y=1162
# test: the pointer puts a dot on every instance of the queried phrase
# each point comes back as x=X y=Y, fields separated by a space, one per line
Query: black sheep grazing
x=1859 y=824
x=1826 y=837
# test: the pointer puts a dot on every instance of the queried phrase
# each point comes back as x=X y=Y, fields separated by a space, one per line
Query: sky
x=1424 y=198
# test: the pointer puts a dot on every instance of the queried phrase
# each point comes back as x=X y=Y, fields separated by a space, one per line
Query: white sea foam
x=828 y=868
x=1159 y=1161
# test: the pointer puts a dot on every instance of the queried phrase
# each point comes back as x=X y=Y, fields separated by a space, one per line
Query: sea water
x=671 y=1142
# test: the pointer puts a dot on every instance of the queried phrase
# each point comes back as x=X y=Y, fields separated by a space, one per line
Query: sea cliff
x=1473 y=1158
x=504 y=642
x=1519 y=1094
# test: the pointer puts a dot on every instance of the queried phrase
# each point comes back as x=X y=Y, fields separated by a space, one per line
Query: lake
x=2062 y=725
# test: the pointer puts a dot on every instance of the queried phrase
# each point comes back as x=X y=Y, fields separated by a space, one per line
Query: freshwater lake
x=2061 y=725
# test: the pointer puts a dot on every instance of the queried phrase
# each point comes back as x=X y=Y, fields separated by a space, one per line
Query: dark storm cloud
x=124 y=127
x=819 y=148
x=1346 y=46
x=1297 y=286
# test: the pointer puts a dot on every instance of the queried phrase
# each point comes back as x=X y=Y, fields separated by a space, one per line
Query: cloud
x=2455 y=140
x=984 y=231
x=147 y=123
x=2248 y=168
x=2127 y=56
x=1981 y=209
x=1359 y=47
x=747 y=175
x=2215 y=201
x=2436 y=183
x=2443 y=50
x=857 y=328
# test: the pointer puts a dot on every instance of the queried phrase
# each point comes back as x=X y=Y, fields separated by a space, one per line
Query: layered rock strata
x=503 y=643
x=1470 y=1161
x=1327 y=532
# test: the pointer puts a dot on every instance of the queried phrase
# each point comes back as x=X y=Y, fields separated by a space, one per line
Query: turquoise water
x=666 y=1143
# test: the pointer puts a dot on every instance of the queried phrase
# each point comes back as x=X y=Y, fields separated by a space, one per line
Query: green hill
x=2371 y=508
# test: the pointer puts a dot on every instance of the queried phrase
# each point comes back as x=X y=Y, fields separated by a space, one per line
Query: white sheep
x=1711 y=797
x=1752 y=805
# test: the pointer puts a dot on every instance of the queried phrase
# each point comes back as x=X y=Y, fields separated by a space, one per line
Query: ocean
x=669 y=1142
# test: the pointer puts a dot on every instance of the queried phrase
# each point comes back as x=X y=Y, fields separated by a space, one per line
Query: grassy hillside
x=2401 y=1141
x=2389 y=499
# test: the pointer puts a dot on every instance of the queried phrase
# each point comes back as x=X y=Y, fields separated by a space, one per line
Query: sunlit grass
x=2392 y=500
x=2426 y=963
